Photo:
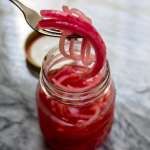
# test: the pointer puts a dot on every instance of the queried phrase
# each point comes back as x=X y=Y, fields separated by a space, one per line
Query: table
x=125 y=27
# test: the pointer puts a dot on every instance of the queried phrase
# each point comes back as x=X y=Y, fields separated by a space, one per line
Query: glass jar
x=74 y=120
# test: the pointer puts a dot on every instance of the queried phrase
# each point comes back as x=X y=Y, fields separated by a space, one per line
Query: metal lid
x=37 y=46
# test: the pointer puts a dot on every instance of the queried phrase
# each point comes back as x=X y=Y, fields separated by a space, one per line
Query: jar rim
x=74 y=96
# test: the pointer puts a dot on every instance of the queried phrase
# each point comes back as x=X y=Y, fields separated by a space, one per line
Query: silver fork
x=32 y=18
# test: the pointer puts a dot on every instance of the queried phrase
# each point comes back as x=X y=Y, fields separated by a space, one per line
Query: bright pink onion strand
x=63 y=21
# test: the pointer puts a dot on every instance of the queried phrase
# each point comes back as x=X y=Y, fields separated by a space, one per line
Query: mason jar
x=74 y=119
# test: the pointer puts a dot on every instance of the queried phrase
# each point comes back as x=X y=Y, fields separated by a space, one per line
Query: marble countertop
x=125 y=26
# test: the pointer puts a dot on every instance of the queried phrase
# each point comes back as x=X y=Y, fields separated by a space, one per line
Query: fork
x=32 y=18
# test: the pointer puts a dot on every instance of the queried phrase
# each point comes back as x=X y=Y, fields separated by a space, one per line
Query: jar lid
x=37 y=46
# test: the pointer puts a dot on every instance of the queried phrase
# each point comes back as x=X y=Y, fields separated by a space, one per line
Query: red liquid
x=70 y=127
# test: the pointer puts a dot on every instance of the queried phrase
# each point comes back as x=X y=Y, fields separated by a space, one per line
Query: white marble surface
x=125 y=26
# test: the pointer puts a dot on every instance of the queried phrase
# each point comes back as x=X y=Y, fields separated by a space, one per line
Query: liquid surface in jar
x=70 y=127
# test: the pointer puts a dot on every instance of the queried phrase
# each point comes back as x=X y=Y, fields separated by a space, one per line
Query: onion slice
x=62 y=21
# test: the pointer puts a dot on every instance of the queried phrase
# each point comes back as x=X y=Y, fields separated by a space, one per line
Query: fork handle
x=21 y=6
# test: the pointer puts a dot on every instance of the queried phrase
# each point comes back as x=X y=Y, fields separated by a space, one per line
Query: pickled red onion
x=62 y=44
x=77 y=12
x=85 y=52
x=67 y=22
